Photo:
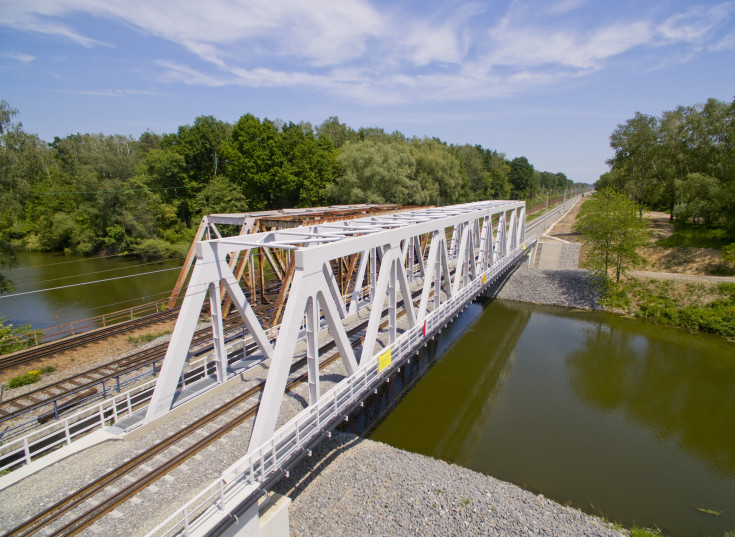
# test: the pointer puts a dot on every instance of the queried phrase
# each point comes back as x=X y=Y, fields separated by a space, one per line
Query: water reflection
x=438 y=420
x=38 y=270
x=616 y=416
x=675 y=385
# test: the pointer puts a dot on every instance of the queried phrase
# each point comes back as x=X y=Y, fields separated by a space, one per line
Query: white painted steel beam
x=384 y=244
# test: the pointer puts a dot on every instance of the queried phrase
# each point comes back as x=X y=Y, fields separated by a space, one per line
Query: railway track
x=105 y=505
x=67 y=388
x=64 y=391
x=46 y=350
x=32 y=354
x=108 y=503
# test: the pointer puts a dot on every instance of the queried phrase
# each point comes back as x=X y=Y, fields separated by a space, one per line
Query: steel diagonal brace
x=376 y=309
x=461 y=269
x=357 y=289
x=334 y=290
x=304 y=287
x=436 y=244
x=173 y=363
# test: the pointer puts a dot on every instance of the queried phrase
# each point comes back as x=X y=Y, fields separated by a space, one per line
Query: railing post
x=186 y=522
x=26 y=450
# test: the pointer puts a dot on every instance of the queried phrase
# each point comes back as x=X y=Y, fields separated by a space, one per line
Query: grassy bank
x=697 y=306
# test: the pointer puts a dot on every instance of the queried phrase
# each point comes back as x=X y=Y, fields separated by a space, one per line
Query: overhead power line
x=87 y=283
x=95 y=272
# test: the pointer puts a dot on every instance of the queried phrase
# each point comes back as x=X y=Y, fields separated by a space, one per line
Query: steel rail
x=100 y=373
x=54 y=347
x=82 y=495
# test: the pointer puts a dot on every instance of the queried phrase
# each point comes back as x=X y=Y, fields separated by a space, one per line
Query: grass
x=147 y=338
x=697 y=306
x=29 y=378
x=694 y=236
x=635 y=531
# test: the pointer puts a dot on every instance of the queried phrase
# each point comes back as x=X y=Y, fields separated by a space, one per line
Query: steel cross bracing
x=451 y=254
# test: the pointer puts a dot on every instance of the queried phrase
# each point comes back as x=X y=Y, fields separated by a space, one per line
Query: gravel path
x=360 y=487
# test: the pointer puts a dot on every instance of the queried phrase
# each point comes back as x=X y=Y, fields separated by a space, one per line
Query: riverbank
x=565 y=286
x=354 y=486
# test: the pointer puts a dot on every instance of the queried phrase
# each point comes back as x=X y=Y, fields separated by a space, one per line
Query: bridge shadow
x=308 y=468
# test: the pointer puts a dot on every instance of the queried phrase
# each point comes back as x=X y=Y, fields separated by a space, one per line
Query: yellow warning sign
x=483 y=279
x=384 y=360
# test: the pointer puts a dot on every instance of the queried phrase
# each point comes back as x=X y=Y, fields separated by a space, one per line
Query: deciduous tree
x=610 y=227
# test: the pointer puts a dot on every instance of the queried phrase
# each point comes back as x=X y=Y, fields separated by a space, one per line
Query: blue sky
x=549 y=80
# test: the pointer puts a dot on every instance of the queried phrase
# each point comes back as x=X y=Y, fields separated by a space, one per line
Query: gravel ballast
x=568 y=286
x=360 y=487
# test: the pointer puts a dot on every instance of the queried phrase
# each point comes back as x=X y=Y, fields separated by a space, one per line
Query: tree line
x=91 y=193
x=682 y=162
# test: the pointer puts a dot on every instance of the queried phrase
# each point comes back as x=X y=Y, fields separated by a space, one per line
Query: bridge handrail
x=113 y=409
x=242 y=482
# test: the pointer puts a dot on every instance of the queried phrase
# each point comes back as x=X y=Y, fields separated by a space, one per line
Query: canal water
x=619 y=417
x=48 y=292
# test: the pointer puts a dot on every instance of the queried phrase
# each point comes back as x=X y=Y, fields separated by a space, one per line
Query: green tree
x=375 y=172
x=701 y=198
x=23 y=164
x=609 y=226
x=256 y=162
x=473 y=168
x=221 y=196
x=436 y=173
x=635 y=145
x=520 y=177
x=338 y=133
x=14 y=338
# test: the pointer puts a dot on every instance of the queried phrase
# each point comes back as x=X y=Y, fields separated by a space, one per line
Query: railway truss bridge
x=421 y=267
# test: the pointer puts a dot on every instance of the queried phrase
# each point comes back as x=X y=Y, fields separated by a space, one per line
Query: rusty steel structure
x=254 y=269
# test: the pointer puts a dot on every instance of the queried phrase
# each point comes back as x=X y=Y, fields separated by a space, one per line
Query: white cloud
x=727 y=43
x=353 y=48
x=110 y=92
x=695 y=25
x=19 y=57
x=561 y=7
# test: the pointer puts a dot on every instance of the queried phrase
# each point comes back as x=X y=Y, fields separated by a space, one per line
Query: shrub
x=23 y=380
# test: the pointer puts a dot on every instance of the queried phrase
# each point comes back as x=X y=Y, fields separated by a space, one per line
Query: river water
x=129 y=282
x=619 y=417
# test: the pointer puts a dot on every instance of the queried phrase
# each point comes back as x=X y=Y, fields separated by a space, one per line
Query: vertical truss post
x=251 y=270
x=392 y=305
x=373 y=272
x=438 y=276
x=357 y=289
x=218 y=338
x=312 y=348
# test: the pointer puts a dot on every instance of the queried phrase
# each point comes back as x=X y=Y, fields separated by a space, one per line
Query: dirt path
x=681 y=277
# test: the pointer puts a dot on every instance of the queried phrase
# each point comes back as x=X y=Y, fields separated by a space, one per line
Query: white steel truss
x=391 y=261
x=447 y=255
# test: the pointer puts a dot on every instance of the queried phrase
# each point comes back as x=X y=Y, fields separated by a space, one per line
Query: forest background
x=111 y=194
x=681 y=162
